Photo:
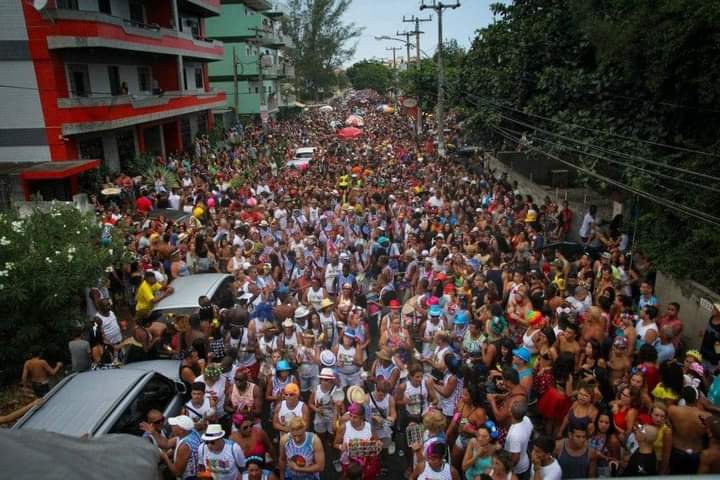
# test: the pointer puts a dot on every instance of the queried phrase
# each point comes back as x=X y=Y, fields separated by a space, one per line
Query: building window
x=79 y=80
x=144 y=79
x=68 y=4
x=114 y=75
x=185 y=132
x=137 y=11
x=126 y=148
x=198 y=77
x=91 y=149
x=202 y=123
x=104 y=7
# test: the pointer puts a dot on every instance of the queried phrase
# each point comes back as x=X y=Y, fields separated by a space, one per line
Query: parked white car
x=303 y=157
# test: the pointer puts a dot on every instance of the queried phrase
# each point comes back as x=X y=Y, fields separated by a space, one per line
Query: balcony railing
x=70 y=26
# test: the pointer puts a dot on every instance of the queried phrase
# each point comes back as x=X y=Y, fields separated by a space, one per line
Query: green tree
x=423 y=81
x=46 y=262
x=322 y=42
x=602 y=75
x=370 y=74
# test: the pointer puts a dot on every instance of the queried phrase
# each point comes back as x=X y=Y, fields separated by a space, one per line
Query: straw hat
x=355 y=394
x=326 y=303
x=384 y=354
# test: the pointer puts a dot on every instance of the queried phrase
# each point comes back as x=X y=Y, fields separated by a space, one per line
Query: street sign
x=409 y=103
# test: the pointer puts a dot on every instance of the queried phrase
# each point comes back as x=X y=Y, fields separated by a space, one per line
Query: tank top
x=382 y=409
x=245 y=358
x=267 y=347
x=573 y=467
x=315 y=297
x=429 y=474
x=324 y=401
x=197 y=413
x=346 y=357
x=303 y=455
x=110 y=328
x=265 y=475
x=365 y=433
x=226 y=464
x=279 y=385
x=430 y=329
x=193 y=441
x=385 y=372
x=416 y=398
x=447 y=404
x=290 y=343
x=286 y=414
x=528 y=342
x=245 y=398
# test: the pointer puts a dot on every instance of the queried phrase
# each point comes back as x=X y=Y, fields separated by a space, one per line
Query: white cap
x=182 y=421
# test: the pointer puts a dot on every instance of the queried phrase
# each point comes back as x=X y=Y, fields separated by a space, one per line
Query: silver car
x=184 y=300
x=108 y=401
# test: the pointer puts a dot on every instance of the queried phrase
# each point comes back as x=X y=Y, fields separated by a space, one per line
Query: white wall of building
x=12 y=21
x=24 y=153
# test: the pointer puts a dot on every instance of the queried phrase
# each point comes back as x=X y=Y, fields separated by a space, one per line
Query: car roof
x=81 y=402
x=189 y=289
x=305 y=150
x=169 y=213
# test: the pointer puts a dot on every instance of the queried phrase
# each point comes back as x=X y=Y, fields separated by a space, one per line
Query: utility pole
x=440 y=121
x=261 y=80
x=407 y=44
x=236 y=93
x=394 y=49
x=417 y=32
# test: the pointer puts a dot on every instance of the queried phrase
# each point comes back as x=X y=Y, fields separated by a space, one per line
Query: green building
x=250 y=30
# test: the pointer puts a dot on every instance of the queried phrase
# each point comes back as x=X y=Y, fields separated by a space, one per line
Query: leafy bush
x=46 y=261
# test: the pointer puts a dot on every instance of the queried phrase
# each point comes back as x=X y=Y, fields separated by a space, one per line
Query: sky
x=384 y=17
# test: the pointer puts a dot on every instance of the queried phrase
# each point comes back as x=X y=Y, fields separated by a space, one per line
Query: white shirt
x=587 y=222
x=548 y=472
x=110 y=327
x=174 y=201
x=517 y=441
x=226 y=464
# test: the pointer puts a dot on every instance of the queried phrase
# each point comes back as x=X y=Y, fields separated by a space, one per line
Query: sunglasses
x=159 y=421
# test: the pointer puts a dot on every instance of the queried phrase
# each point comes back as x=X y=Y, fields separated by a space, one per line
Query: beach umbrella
x=354 y=121
x=349 y=133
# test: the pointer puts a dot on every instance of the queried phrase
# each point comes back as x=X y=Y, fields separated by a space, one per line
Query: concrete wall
x=578 y=203
x=696 y=303
x=22 y=125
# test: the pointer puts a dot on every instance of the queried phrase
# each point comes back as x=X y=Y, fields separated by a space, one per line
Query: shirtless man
x=619 y=362
x=710 y=457
x=36 y=372
x=501 y=404
x=688 y=432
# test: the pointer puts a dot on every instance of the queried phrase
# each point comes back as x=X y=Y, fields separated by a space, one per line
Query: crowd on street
x=391 y=307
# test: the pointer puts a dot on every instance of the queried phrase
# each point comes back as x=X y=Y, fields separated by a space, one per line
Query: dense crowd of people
x=390 y=306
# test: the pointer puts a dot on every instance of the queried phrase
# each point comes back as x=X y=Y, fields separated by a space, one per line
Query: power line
x=666 y=203
x=633 y=139
x=624 y=164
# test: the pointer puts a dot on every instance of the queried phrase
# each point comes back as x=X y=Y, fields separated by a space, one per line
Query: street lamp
x=405 y=42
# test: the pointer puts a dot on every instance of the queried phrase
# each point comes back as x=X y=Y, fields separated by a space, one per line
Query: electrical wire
x=617 y=135
x=691 y=212
x=624 y=164
x=570 y=139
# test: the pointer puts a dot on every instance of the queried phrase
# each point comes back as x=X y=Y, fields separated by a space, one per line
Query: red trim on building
x=88 y=29
x=57 y=170
x=117 y=112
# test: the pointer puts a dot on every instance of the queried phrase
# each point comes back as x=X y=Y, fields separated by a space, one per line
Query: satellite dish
x=39 y=5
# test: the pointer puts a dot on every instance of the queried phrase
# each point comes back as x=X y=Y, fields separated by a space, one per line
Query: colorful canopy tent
x=349 y=133
x=354 y=121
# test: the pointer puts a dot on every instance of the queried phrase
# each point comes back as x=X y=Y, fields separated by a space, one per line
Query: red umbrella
x=349 y=133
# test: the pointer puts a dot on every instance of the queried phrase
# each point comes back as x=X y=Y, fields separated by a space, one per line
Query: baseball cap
x=182 y=421
x=292 y=389
x=522 y=353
